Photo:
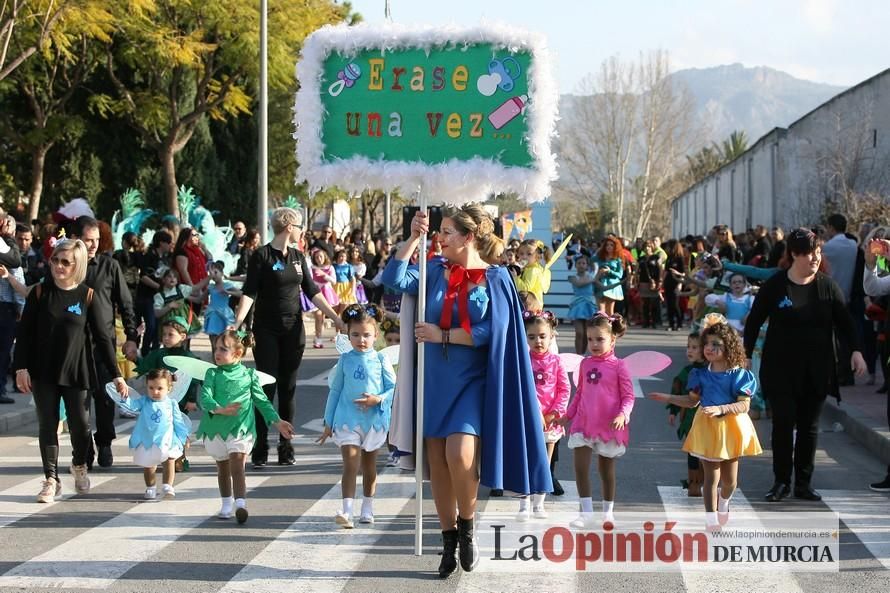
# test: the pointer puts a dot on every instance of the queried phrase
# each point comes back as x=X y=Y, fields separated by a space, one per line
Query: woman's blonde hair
x=282 y=217
x=472 y=218
x=79 y=255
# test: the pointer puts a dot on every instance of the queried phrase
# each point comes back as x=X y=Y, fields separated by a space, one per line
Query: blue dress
x=611 y=281
x=218 y=315
x=356 y=373
x=456 y=385
x=583 y=306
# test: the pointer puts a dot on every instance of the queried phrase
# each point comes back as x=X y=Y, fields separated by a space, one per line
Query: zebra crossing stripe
x=96 y=558
x=19 y=502
x=676 y=501
x=314 y=555
x=865 y=514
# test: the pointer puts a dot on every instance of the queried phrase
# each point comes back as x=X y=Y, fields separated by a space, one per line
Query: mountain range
x=755 y=100
x=735 y=97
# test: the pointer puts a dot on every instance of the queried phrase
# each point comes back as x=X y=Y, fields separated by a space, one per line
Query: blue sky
x=833 y=41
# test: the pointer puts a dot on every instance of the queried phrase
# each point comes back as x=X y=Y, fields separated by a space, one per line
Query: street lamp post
x=263 y=156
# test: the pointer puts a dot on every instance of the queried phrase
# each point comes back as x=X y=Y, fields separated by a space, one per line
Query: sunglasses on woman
x=61 y=261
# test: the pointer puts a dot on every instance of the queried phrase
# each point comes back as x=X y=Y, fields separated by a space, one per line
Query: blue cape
x=511 y=416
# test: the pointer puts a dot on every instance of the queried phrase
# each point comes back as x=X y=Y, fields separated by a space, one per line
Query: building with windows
x=790 y=176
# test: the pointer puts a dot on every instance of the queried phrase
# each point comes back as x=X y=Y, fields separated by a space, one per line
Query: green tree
x=175 y=62
x=734 y=146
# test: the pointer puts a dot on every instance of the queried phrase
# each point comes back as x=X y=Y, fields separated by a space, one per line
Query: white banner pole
x=418 y=448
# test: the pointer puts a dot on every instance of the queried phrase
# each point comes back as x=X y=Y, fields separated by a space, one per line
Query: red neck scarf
x=459 y=288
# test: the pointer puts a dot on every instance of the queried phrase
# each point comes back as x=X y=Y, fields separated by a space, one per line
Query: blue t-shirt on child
x=723 y=387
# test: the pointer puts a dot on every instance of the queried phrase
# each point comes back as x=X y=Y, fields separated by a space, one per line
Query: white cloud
x=820 y=14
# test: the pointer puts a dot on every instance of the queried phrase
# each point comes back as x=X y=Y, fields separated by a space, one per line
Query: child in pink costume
x=552 y=385
x=599 y=413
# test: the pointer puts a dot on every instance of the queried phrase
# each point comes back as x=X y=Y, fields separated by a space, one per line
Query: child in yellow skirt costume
x=722 y=432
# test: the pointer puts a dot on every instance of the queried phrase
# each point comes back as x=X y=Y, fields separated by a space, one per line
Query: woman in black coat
x=804 y=307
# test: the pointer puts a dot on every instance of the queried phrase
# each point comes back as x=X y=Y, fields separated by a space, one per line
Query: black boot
x=469 y=553
x=449 y=554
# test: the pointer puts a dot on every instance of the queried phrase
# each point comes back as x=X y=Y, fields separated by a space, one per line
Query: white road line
x=126 y=461
x=314 y=555
x=65 y=441
x=865 y=514
x=96 y=558
x=319 y=380
x=19 y=502
x=675 y=502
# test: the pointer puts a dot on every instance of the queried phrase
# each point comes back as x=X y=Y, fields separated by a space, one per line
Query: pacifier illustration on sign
x=345 y=79
x=501 y=74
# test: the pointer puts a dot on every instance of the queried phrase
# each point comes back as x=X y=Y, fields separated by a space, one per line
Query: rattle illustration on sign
x=501 y=74
x=507 y=111
x=345 y=79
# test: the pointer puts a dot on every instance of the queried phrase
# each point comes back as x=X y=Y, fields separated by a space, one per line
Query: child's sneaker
x=168 y=491
x=393 y=459
x=366 y=518
x=524 y=515
x=608 y=520
x=584 y=521
x=318 y=343
x=225 y=512
x=150 y=493
x=241 y=515
x=49 y=489
x=539 y=513
x=343 y=520
x=241 y=511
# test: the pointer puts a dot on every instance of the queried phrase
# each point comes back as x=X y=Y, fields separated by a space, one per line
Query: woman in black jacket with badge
x=804 y=307
x=276 y=276
x=52 y=360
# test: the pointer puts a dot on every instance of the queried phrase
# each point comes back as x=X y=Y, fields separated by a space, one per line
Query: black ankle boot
x=449 y=554
x=469 y=553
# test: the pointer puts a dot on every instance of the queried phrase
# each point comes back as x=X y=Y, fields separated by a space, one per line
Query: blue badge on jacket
x=785 y=303
x=278 y=266
x=75 y=309
x=359 y=373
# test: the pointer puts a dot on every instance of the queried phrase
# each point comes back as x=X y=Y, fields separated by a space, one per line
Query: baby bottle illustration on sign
x=345 y=79
x=508 y=110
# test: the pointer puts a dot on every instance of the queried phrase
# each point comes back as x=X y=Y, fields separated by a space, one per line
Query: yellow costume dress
x=719 y=438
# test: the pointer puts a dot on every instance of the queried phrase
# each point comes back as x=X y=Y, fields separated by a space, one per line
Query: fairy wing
x=571 y=362
x=646 y=363
x=392 y=353
x=342 y=343
x=111 y=390
x=197 y=368
x=559 y=251
x=181 y=383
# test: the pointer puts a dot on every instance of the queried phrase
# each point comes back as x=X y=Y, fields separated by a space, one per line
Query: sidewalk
x=863 y=414
x=22 y=412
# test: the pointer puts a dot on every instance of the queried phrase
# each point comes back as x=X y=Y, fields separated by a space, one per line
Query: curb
x=866 y=430
x=13 y=420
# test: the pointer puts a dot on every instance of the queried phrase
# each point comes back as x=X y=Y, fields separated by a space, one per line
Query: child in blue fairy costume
x=161 y=432
x=583 y=306
x=357 y=413
x=218 y=315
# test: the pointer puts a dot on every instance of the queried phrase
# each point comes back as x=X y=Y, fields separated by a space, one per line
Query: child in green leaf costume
x=228 y=427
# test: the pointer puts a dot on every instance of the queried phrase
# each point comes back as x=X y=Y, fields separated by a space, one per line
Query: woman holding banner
x=481 y=392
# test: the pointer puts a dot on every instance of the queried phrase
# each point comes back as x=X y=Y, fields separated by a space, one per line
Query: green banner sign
x=464 y=113
x=411 y=105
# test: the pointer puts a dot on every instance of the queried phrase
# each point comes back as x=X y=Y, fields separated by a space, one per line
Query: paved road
x=111 y=540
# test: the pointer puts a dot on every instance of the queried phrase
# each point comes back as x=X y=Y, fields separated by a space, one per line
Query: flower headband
x=545 y=315
x=390 y=325
x=712 y=319
x=357 y=310
x=601 y=315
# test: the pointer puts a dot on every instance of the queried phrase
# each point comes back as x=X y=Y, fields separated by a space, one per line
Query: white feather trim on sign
x=456 y=181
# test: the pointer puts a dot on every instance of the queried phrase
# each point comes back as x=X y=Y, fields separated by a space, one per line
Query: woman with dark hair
x=676 y=261
x=189 y=257
x=610 y=275
x=804 y=307
x=152 y=265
